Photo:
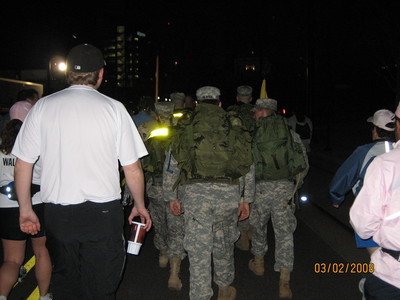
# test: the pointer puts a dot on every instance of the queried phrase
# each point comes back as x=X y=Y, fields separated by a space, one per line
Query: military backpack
x=245 y=112
x=157 y=143
x=212 y=146
x=276 y=154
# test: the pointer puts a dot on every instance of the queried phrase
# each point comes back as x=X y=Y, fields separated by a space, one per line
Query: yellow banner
x=263 y=93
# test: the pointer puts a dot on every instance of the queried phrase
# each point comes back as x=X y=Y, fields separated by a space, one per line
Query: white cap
x=133 y=248
x=208 y=93
x=382 y=118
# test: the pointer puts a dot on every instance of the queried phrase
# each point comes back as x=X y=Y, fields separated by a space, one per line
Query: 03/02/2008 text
x=343 y=268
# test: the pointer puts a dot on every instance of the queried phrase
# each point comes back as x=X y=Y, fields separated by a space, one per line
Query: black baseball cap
x=85 y=58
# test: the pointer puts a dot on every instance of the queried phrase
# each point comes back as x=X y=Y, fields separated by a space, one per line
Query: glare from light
x=304 y=198
x=62 y=66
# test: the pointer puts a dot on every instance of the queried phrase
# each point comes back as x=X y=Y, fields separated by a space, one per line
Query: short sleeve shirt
x=80 y=136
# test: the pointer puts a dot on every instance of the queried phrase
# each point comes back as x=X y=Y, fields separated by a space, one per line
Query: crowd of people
x=227 y=199
x=205 y=178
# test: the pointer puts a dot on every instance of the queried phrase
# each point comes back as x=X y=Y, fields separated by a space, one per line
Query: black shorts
x=9 y=223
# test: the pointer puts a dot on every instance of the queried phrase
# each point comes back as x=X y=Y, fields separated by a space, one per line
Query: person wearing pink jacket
x=376 y=213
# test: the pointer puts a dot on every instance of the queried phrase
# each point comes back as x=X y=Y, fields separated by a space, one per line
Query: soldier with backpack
x=169 y=227
x=281 y=164
x=244 y=108
x=211 y=162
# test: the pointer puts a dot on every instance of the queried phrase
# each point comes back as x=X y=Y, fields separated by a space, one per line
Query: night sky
x=349 y=48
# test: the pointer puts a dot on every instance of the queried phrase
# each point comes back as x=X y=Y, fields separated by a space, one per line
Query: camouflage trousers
x=272 y=202
x=244 y=225
x=210 y=233
x=158 y=212
x=176 y=233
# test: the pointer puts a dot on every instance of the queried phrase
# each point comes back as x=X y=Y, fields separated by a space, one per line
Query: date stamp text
x=343 y=268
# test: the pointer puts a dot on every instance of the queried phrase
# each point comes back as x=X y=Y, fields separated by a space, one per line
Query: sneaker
x=361 y=287
x=48 y=296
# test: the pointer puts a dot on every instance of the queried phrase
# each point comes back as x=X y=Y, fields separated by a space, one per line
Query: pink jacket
x=376 y=212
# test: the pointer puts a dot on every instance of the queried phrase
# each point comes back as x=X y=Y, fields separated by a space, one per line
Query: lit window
x=250 y=67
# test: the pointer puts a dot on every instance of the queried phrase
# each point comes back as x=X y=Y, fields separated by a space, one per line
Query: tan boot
x=243 y=242
x=163 y=259
x=257 y=265
x=174 y=282
x=226 y=293
x=284 y=288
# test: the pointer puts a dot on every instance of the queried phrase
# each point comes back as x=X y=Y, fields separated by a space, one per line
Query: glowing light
x=62 y=66
x=159 y=132
x=303 y=198
x=178 y=115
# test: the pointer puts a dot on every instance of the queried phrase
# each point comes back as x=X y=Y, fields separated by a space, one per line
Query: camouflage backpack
x=276 y=154
x=212 y=146
x=245 y=113
x=157 y=143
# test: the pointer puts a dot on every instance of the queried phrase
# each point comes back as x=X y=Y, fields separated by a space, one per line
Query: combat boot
x=284 y=288
x=257 y=265
x=243 y=242
x=226 y=293
x=163 y=259
x=174 y=282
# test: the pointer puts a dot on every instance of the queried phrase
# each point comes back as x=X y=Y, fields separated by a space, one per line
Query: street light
x=62 y=66
x=57 y=66
x=56 y=73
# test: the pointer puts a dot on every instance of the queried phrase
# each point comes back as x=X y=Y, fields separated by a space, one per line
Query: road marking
x=35 y=294
x=28 y=266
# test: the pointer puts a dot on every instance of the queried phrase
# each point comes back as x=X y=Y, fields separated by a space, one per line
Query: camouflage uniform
x=245 y=112
x=176 y=224
x=272 y=201
x=158 y=208
x=211 y=215
x=210 y=227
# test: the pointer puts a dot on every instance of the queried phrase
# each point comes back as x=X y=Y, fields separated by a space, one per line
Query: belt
x=224 y=180
x=9 y=190
x=392 y=253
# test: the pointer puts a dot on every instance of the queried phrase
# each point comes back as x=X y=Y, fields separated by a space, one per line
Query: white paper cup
x=133 y=248
x=136 y=238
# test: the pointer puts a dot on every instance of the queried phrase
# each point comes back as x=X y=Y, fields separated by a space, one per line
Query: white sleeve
x=27 y=144
x=129 y=143
x=366 y=212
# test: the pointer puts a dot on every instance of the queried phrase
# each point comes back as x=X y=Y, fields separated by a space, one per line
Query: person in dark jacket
x=350 y=175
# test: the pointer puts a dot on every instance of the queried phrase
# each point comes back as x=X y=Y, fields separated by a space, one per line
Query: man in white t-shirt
x=80 y=136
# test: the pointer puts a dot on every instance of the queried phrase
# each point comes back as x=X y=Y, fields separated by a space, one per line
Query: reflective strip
x=159 y=132
x=387 y=146
x=178 y=115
